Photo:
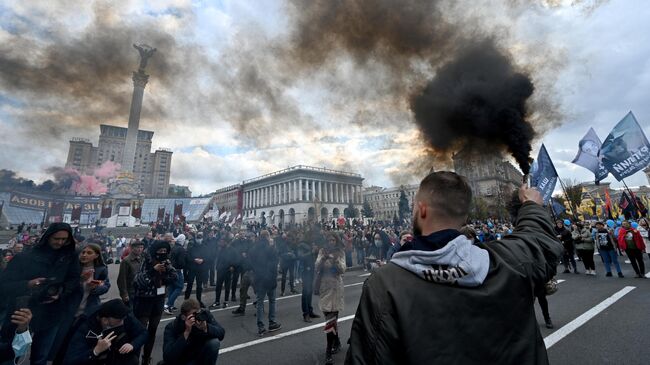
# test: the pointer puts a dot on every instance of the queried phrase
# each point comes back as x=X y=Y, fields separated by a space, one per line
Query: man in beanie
x=111 y=335
x=453 y=297
x=128 y=268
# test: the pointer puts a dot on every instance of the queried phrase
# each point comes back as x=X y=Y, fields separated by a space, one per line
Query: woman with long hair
x=644 y=228
x=330 y=266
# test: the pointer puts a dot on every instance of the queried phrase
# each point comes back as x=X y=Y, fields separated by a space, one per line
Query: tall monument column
x=139 y=82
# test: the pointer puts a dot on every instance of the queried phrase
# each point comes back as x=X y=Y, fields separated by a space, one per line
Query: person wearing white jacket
x=644 y=230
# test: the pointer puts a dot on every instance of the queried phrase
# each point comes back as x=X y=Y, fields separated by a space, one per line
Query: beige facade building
x=301 y=194
x=384 y=202
x=151 y=171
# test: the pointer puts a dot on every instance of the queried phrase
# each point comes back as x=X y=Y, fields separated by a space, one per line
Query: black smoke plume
x=477 y=101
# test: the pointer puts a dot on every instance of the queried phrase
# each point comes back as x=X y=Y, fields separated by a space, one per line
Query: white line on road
x=556 y=336
x=235 y=306
x=362 y=275
x=281 y=335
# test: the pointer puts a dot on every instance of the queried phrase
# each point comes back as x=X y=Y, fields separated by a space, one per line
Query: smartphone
x=22 y=302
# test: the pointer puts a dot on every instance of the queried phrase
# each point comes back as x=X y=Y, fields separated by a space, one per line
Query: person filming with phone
x=194 y=337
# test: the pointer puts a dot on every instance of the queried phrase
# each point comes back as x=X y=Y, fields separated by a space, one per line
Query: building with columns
x=301 y=194
x=384 y=202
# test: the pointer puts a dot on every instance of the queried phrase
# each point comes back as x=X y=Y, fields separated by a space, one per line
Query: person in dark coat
x=198 y=259
x=264 y=260
x=242 y=246
x=564 y=235
x=478 y=299
x=287 y=247
x=307 y=253
x=49 y=276
x=226 y=261
x=155 y=274
x=193 y=337
x=109 y=336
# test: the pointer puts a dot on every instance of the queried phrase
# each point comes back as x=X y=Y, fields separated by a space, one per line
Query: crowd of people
x=57 y=270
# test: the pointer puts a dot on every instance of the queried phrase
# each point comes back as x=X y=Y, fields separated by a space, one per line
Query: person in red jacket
x=630 y=240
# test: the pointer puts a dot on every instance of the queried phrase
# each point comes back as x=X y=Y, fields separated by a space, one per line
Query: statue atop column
x=146 y=52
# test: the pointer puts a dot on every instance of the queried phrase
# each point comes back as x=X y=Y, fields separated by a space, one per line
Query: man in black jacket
x=49 y=275
x=264 y=259
x=441 y=293
x=193 y=337
x=242 y=246
x=179 y=260
x=110 y=336
x=198 y=258
x=226 y=261
x=564 y=235
x=307 y=253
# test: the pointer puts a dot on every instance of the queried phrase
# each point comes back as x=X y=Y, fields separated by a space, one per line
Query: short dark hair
x=189 y=305
x=447 y=193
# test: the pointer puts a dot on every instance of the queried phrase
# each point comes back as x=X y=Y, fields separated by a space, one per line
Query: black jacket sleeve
x=174 y=343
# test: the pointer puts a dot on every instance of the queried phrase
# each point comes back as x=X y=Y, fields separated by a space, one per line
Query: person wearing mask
x=644 y=230
x=307 y=253
x=287 y=251
x=15 y=337
x=242 y=246
x=630 y=241
x=564 y=235
x=128 y=268
x=154 y=275
x=226 y=261
x=264 y=260
x=584 y=243
x=441 y=272
x=194 y=337
x=7 y=255
x=110 y=335
x=197 y=258
x=405 y=237
x=179 y=259
x=49 y=276
x=330 y=266
x=606 y=249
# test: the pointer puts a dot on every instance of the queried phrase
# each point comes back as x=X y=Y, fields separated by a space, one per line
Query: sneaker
x=337 y=345
x=261 y=331
x=168 y=312
x=174 y=309
x=239 y=312
x=609 y=274
x=215 y=305
x=593 y=272
x=328 y=358
x=294 y=291
x=313 y=315
x=306 y=318
x=274 y=326
x=225 y=304
x=549 y=324
x=281 y=294
x=620 y=275
x=576 y=272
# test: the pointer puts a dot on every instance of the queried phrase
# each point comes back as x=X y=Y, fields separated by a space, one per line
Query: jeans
x=348 y=258
x=636 y=259
x=261 y=294
x=287 y=267
x=610 y=257
x=246 y=281
x=42 y=342
x=208 y=354
x=307 y=291
x=360 y=256
x=175 y=290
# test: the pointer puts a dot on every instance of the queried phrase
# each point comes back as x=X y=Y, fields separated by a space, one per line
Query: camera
x=47 y=289
x=202 y=315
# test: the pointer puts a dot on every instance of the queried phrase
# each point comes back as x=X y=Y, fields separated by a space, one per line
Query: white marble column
x=299 y=189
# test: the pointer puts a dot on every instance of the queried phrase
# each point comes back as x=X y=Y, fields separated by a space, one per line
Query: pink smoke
x=94 y=184
x=107 y=170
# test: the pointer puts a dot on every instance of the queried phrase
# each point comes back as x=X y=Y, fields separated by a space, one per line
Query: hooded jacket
x=61 y=268
x=264 y=260
x=443 y=300
x=147 y=281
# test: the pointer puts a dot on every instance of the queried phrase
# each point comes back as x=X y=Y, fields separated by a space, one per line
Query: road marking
x=556 y=336
x=251 y=303
x=628 y=262
x=560 y=281
x=281 y=335
x=362 y=275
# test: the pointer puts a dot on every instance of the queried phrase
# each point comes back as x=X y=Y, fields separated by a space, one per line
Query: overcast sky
x=227 y=97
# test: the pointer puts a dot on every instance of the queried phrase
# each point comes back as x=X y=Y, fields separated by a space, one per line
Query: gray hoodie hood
x=458 y=262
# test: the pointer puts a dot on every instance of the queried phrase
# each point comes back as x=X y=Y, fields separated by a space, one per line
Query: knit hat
x=113 y=309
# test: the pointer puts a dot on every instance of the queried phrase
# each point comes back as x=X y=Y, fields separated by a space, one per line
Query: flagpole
x=566 y=195
x=636 y=205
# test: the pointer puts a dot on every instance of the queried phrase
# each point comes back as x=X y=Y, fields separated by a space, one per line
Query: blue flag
x=557 y=207
x=543 y=175
x=626 y=149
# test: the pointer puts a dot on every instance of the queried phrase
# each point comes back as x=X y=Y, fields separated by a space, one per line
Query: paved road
x=598 y=320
